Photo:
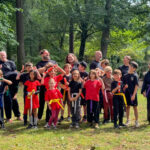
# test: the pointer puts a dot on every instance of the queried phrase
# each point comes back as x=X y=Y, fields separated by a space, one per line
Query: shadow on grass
x=18 y=128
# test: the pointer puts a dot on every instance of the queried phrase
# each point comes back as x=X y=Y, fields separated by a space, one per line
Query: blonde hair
x=67 y=65
x=117 y=71
x=107 y=69
x=105 y=62
x=94 y=72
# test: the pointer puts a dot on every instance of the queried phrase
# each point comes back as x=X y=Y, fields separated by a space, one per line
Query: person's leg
x=56 y=116
x=53 y=113
x=35 y=116
x=89 y=113
x=110 y=100
x=128 y=112
x=121 y=105
x=148 y=109
x=96 y=111
x=115 y=110
x=105 y=104
x=41 y=102
x=135 y=112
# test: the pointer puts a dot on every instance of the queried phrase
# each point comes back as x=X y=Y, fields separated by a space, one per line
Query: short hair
x=67 y=65
x=105 y=62
x=94 y=72
x=107 y=69
x=134 y=64
x=117 y=71
x=128 y=57
x=28 y=64
x=43 y=50
x=84 y=64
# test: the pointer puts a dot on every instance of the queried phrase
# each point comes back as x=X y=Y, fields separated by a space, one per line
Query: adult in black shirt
x=96 y=63
x=42 y=67
x=9 y=71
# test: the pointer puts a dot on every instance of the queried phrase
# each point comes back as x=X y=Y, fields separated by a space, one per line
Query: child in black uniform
x=75 y=88
x=131 y=82
x=117 y=89
x=84 y=75
x=3 y=83
x=146 y=91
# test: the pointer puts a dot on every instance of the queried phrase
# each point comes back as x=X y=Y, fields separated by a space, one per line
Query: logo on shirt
x=132 y=78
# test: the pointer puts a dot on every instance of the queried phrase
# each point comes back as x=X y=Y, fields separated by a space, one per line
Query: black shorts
x=131 y=103
x=66 y=100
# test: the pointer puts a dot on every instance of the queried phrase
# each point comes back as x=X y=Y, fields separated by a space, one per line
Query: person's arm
x=60 y=70
x=114 y=89
x=6 y=81
x=42 y=79
x=19 y=74
x=69 y=94
x=77 y=96
x=103 y=86
x=134 y=93
x=143 y=90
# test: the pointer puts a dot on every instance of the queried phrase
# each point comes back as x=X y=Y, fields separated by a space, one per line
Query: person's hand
x=0 y=66
x=15 y=97
x=126 y=86
x=34 y=68
x=49 y=106
x=132 y=97
x=144 y=94
x=22 y=70
x=44 y=75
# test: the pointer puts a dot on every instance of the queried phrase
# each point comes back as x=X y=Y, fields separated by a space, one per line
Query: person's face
x=3 y=56
x=32 y=75
x=52 y=73
x=75 y=75
x=71 y=58
x=81 y=68
x=149 y=66
x=1 y=74
x=67 y=69
x=131 y=68
x=117 y=77
x=29 y=68
x=126 y=60
x=108 y=74
x=92 y=76
x=103 y=65
x=98 y=56
x=52 y=84
x=45 y=55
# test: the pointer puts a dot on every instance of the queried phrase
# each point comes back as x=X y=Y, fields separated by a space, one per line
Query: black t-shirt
x=95 y=64
x=146 y=82
x=68 y=78
x=24 y=77
x=2 y=86
x=75 y=86
x=83 y=75
x=8 y=67
x=131 y=80
x=114 y=84
x=43 y=63
x=124 y=70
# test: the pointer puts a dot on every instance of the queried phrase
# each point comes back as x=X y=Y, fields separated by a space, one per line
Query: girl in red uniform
x=93 y=86
x=53 y=98
x=32 y=101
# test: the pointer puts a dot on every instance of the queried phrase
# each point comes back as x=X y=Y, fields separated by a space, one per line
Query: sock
x=35 y=121
x=31 y=120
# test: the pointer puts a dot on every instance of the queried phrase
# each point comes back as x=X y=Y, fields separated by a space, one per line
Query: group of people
x=113 y=90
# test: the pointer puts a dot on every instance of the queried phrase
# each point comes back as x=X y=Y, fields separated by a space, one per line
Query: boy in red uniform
x=93 y=86
x=53 y=98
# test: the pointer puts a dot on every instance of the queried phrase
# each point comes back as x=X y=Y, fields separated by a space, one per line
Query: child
x=3 y=82
x=108 y=103
x=146 y=91
x=75 y=89
x=131 y=82
x=93 y=86
x=51 y=73
x=104 y=63
x=53 y=98
x=64 y=90
x=32 y=86
x=117 y=91
x=84 y=75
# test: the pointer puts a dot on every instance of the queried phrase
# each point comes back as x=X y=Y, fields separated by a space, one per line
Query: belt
x=56 y=101
x=124 y=98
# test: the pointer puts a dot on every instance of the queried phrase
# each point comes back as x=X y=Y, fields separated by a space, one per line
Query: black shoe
x=2 y=126
x=116 y=126
x=30 y=126
x=105 y=121
x=25 y=123
x=61 y=119
x=122 y=125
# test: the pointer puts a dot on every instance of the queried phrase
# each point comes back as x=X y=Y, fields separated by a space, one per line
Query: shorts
x=66 y=100
x=129 y=102
x=83 y=102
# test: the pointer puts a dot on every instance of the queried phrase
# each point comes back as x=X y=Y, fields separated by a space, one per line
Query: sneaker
x=116 y=126
x=25 y=123
x=55 y=128
x=96 y=126
x=61 y=119
x=122 y=125
x=77 y=126
x=2 y=126
x=127 y=122
x=105 y=121
x=46 y=125
x=35 y=127
x=19 y=118
x=136 y=124
x=69 y=118
x=30 y=126
x=71 y=125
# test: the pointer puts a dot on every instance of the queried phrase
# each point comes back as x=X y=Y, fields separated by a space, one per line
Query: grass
x=16 y=137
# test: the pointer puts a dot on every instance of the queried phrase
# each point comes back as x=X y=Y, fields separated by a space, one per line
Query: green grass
x=16 y=137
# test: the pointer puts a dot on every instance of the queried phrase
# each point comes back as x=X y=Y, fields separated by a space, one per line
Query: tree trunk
x=71 y=36
x=106 y=30
x=20 y=35
x=83 y=40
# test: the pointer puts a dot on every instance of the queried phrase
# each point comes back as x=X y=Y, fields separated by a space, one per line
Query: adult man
x=96 y=63
x=10 y=100
x=42 y=67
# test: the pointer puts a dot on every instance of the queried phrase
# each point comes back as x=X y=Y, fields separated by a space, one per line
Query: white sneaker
x=46 y=125
x=136 y=124
x=127 y=123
